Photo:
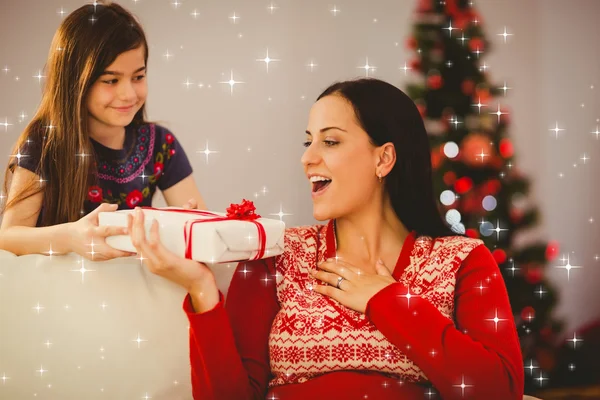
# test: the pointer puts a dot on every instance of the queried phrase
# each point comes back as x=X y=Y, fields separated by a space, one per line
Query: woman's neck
x=371 y=235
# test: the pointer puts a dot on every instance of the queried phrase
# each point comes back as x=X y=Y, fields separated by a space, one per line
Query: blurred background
x=509 y=91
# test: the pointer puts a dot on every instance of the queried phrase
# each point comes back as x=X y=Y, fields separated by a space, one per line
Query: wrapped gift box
x=204 y=236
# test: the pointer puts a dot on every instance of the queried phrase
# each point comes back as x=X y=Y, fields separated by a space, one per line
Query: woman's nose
x=311 y=155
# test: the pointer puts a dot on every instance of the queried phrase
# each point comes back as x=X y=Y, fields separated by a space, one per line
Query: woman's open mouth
x=319 y=185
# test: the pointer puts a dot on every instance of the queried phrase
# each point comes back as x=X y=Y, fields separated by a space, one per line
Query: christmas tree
x=482 y=193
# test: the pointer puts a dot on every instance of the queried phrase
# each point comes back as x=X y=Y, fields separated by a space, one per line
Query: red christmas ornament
x=411 y=43
x=415 y=64
x=505 y=116
x=482 y=94
x=472 y=233
x=461 y=21
x=499 y=256
x=472 y=147
x=516 y=215
x=497 y=163
x=449 y=178
x=552 y=250
x=424 y=6
x=534 y=275
x=422 y=109
x=546 y=334
x=476 y=44
x=436 y=158
x=435 y=81
x=506 y=148
x=471 y=202
x=467 y=87
x=476 y=18
x=452 y=8
x=492 y=187
x=463 y=185
x=528 y=314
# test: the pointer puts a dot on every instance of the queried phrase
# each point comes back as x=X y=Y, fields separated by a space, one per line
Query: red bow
x=244 y=211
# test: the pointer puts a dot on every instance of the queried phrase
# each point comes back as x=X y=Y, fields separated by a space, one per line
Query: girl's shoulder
x=160 y=136
x=152 y=128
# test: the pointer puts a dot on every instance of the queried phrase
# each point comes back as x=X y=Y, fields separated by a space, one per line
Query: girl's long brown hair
x=85 y=44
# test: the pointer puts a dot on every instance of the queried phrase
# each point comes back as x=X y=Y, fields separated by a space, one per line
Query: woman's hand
x=195 y=277
x=87 y=239
x=356 y=288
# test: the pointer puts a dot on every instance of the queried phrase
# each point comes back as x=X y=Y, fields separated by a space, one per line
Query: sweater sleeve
x=229 y=350
x=475 y=356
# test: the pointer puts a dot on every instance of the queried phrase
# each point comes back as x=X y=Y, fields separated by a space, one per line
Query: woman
x=382 y=302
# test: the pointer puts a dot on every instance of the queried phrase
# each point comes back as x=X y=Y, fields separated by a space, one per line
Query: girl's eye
x=111 y=81
x=139 y=78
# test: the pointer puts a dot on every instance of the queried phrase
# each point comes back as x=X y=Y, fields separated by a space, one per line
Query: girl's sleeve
x=229 y=345
x=30 y=154
x=476 y=356
x=176 y=165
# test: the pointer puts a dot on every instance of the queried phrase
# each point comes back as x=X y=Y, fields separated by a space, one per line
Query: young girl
x=89 y=148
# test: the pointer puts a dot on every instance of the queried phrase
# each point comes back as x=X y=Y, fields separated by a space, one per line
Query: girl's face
x=120 y=92
x=340 y=151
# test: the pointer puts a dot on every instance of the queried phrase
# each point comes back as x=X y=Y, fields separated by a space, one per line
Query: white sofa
x=67 y=333
x=70 y=334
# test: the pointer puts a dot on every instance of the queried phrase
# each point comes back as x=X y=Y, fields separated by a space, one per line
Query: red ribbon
x=236 y=212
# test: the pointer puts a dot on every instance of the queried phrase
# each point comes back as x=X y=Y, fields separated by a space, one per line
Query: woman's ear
x=387 y=158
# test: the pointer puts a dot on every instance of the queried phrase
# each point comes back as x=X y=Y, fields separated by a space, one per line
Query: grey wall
x=551 y=63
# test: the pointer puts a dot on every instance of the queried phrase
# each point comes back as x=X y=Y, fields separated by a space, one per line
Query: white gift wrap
x=212 y=242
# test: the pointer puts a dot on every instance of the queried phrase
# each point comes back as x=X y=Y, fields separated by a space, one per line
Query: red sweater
x=230 y=345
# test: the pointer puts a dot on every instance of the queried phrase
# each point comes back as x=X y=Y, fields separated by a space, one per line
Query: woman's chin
x=320 y=214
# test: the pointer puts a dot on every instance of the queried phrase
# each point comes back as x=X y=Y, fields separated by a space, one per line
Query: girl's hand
x=87 y=239
x=195 y=277
x=191 y=204
x=356 y=288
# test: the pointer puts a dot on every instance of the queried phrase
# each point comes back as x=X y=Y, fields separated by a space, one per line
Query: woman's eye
x=328 y=143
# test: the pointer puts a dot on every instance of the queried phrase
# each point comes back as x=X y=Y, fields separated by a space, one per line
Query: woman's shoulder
x=300 y=241
x=455 y=247
x=458 y=241
x=305 y=234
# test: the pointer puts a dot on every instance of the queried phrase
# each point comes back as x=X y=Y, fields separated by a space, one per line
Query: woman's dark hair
x=388 y=115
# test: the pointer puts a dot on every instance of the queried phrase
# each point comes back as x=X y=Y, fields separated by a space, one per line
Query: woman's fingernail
x=329 y=260
x=380 y=261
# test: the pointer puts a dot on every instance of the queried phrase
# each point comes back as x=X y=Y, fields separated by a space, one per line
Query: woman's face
x=120 y=92
x=339 y=161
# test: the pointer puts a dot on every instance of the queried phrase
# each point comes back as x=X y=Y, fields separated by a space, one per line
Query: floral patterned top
x=151 y=157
